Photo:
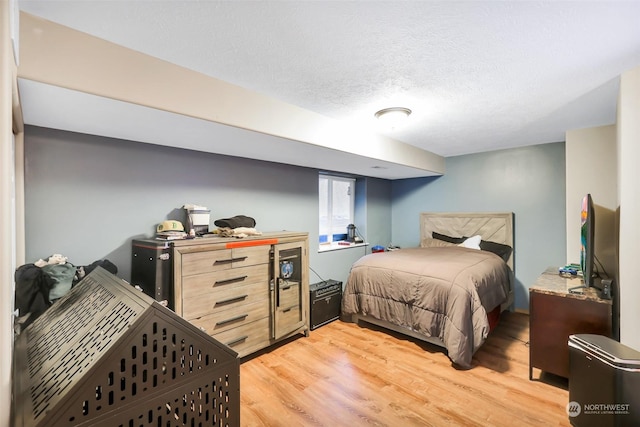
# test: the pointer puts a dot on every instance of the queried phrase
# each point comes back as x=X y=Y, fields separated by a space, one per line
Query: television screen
x=587 y=240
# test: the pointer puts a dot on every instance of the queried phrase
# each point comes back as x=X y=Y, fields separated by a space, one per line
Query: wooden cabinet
x=289 y=296
x=247 y=293
x=555 y=313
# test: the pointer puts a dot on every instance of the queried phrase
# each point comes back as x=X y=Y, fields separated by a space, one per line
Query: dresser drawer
x=232 y=317
x=206 y=262
x=247 y=338
x=289 y=295
x=251 y=255
x=214 y=261
x=225 y=298
x=223 y=281
x=289 y=318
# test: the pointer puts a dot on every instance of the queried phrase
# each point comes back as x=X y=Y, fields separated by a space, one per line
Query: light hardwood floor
x=348 y=375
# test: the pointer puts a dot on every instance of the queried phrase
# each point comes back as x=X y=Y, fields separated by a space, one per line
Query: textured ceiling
x=479 y=75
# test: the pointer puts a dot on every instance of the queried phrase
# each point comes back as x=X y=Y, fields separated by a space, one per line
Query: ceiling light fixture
x=393 y=117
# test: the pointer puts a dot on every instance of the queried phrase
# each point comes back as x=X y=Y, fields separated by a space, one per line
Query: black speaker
x=324 y=300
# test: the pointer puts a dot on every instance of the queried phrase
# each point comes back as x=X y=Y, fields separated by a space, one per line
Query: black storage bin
x=152 y=268
x=604 y=382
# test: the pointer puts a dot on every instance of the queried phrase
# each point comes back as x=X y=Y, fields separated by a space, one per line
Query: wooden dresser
x=555 y=313
x=247 y=293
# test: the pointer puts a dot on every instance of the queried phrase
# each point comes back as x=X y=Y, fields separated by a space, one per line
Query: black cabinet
x=555 y=313
x=152 y=269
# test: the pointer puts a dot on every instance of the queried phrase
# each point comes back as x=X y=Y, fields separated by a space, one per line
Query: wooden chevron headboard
x=492 y=226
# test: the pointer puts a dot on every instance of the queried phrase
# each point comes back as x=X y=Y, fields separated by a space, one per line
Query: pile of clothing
x=238 y=226
x=40 y=284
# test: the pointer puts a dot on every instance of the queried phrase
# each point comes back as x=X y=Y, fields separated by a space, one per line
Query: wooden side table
x=555 y=313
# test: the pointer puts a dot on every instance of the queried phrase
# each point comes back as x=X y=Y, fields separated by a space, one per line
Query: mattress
x=437 y=292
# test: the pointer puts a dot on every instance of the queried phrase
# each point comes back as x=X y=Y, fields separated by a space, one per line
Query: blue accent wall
x=528 y=181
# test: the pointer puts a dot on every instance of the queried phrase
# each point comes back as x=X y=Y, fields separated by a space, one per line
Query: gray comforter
x=443 y=292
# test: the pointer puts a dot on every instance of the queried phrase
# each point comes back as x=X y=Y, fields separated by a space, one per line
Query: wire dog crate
x=108 y=355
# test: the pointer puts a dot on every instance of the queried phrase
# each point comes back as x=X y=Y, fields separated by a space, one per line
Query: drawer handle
x=231 y=300
x=233 y=319
x=237 y=341
x=227 y=281
x=286 y=288
x=229 y=260
x=290 y=308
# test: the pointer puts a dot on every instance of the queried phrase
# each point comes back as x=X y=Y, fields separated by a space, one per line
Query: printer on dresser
x=247 y=293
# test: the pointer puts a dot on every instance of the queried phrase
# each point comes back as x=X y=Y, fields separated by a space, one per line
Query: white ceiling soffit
x=62 y=57
x=478 y=76
x=58 y=108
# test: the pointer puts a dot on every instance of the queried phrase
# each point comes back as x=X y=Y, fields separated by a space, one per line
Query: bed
x=443 y=292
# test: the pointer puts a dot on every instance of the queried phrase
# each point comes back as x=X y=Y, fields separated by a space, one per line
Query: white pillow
x=472 y=242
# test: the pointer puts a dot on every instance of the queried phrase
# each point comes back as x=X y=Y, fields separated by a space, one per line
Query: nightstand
x=555 y=313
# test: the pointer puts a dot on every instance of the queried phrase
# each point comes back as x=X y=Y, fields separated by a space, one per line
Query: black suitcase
x=152 y=269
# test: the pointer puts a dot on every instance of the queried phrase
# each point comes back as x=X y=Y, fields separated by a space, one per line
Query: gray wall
x=87 y=197
x=529 y=181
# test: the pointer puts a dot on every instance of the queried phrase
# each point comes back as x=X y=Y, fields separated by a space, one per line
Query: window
x=337 y=201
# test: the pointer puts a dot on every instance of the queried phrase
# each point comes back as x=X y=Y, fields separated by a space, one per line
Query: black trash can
x=604 y=382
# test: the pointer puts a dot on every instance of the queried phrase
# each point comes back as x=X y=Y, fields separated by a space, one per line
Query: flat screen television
x=587 y=241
